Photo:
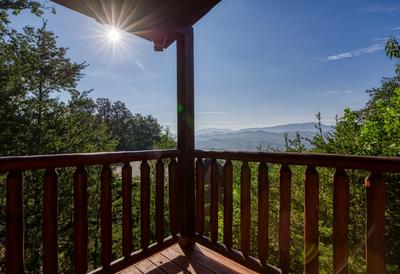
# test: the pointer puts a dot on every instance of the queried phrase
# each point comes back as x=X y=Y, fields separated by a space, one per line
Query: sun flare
x=114 y=35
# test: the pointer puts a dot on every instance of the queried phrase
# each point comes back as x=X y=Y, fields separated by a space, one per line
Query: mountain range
x=250 y=139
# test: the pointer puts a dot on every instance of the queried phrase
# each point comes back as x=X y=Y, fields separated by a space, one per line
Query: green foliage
x=34 y=71
x=167 y=140
x=134 y=132
x=15 y=7
x=373 y=130
x=392 y=49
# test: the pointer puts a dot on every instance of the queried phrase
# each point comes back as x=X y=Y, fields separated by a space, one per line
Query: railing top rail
x=370 y=163
x=80 y=159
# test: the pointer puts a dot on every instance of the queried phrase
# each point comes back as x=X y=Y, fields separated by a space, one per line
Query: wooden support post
x=285 y=182
x=341 y=204
x=375 y=230
x=185 y=96
x=127 y=235
x=80 y=221
x=50 y=215
x=311 y=233
x=14 y=223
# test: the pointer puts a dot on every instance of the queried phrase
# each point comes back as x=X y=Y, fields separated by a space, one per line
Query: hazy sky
x=257 y=62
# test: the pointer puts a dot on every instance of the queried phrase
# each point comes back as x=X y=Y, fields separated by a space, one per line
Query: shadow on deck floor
x=196 y=259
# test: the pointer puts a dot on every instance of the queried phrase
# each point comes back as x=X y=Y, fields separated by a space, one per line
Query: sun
x=114 y=35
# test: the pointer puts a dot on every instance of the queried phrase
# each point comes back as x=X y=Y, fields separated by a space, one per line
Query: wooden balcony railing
x=375 y=249
x=15 y=166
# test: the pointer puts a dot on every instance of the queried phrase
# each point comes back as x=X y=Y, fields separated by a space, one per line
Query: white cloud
x=368 y=50
x=339 y=56
x=378 y=9
x=211 y=112
x=140 y=65
x=395 y=29
x=332 y=92
x=381 y=39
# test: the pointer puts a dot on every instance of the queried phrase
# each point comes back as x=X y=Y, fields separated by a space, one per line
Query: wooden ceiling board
x=154 y=20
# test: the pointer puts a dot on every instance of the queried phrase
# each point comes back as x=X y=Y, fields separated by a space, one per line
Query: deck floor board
x=196 y=259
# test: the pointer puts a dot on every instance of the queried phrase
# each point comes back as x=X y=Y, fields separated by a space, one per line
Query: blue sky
x=257 y=63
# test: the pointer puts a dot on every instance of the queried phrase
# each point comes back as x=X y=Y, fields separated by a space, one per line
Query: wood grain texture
x=214 y=201
x=105 y=214
x=228 y=203
x=311 y=232
x=185 y=128
x=160 y=201
x=144 y=205
x=245 y=215
x=263 y=209
x=200 y=196
x=341 y=203
x=14 y=223
x=127 y=234
x=285 y=181
x=173 y=208
x=375 y=230
x=50 y=215
x=382 y=164
x=80 y=221
x=80 y=159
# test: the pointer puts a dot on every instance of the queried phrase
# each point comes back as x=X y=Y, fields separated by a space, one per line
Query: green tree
x=15 y=7
x=34 y=70
x=392 y=49
x=134 y=132
x=167 y=140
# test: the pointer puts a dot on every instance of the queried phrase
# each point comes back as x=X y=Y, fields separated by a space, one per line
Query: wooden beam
x=185 y=96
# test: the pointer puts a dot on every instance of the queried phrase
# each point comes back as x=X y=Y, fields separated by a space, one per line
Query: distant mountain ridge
x=251 y=138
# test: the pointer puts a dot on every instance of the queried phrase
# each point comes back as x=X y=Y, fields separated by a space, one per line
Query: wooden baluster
x=14 y=223
x=214 y=201
x=127 y=235
x=160 y=201
x=284 y=218
x=80 y=220
x=200 y=196
x=145 y=204
x=340 y=221
x=311 y=237
x=228 y=203
x=375 y=230
x=245 y=178
x=50 y=213
x=172 y=180
x=106 y=221
x=263 y=205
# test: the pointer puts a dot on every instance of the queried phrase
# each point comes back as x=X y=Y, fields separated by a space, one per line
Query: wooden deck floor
x=197 y=259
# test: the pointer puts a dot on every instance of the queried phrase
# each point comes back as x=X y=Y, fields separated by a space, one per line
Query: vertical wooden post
x=14 y=223
x=185 y=96
x=200 y=196
x=311 y=234
x=173 y=214
x=106 y=216
x=127 y=235
x=80 y=220
x=341 y=203
x=285 y=181
x=263 y=208
x=50 y=212
x=214 y=201
x=160 y=201
x=375 y=230
x=245 y=208
x=228 y=203
x=144 y=204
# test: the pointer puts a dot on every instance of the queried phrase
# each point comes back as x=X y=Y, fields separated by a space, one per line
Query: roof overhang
x=158 y=21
